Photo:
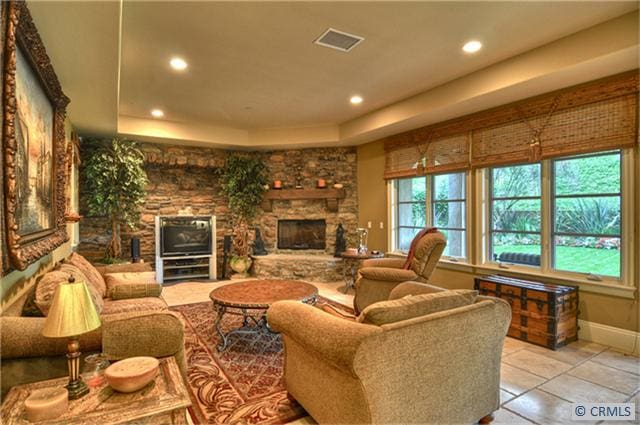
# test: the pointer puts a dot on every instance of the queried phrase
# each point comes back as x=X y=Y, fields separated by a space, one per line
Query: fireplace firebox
x=301 y=234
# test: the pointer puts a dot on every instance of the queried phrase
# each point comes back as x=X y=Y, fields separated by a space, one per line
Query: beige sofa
x=436 y=368
x=137 y=323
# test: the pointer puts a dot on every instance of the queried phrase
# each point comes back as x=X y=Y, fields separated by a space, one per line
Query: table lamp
x=72 y=314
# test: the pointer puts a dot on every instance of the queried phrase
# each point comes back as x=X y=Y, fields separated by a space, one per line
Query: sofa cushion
x=90 y=272
x=132 y=285
x=134 y=304
x=48 y=283
x=384 y=312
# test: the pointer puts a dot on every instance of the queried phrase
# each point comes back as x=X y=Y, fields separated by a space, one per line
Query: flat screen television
x=185 y=235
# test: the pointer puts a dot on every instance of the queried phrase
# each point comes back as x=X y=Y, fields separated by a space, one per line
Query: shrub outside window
x=515 y=214
x=586 y=208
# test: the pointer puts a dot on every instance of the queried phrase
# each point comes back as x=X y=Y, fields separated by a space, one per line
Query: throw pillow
x=95 y=278
x=48 y=283
x=30 y=308
x=384 y=312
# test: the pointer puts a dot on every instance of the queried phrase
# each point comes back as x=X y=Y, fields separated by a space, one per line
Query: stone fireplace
x=302 y=234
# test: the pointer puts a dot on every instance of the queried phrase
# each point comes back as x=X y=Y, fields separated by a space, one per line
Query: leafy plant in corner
x=243 y=181
x=115 y=182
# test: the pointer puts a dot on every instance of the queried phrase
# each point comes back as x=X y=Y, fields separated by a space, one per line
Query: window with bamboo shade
x=596 y=116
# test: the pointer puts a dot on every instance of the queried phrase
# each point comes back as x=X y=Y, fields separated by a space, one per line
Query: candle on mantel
x=277 y=184
x=322 y=183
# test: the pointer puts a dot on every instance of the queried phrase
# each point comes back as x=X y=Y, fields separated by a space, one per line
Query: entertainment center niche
x=185 y=248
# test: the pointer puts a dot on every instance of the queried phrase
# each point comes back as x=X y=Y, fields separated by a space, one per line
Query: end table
x=352 y=264
x=164 y=401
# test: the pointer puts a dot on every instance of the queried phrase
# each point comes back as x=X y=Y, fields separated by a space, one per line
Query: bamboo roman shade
x=596 y=116
x=605 y=125
x=425 y=157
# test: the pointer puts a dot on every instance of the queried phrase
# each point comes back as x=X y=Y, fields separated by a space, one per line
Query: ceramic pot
x=240 y=265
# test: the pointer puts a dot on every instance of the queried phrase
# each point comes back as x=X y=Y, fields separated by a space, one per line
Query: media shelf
x=186 y=266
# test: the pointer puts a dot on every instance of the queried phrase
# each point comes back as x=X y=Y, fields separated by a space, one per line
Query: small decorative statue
x=341 y=242
x=258 y=244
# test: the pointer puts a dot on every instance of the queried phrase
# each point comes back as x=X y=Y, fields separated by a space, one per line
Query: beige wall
x=594 y=307
x=372 y=193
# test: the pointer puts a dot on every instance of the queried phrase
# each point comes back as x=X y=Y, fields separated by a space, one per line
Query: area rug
x=241 y=385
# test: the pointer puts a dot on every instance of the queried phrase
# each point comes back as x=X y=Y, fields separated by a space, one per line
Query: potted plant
x=115 y=182
x=243 y=181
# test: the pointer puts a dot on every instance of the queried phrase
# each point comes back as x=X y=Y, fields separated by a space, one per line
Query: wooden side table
x=352 y=264
x=164 y=401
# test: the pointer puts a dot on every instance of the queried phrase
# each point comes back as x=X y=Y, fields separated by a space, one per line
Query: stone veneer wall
x=186 y=176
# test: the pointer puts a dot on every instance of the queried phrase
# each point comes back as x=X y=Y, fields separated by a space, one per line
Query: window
x=410 y=210
x=515 y=214
x=448 y=213
x=586 y=197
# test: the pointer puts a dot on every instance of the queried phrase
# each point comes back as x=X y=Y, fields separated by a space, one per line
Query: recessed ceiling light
x=157 y=113
x=178 y=64
x=356 y=100
x=472 y=46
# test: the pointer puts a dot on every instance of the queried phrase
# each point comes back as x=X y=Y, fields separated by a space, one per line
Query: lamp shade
x=72 y=312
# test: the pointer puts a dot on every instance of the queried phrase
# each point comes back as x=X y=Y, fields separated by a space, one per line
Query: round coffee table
x=252 y=299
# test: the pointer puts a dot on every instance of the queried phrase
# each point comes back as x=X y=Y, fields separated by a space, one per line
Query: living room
x=319 y=212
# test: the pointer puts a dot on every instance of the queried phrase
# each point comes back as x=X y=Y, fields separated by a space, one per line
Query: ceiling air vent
x=338 y=40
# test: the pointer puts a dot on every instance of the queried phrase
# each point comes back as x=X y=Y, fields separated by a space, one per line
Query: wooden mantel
x=330 y=195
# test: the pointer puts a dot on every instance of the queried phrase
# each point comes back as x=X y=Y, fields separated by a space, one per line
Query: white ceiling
x=253 y=66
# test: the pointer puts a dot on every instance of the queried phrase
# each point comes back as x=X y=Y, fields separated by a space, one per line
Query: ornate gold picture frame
x=33 y=143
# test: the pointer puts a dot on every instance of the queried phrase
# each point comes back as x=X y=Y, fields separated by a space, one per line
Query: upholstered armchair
x=407 y=365
x=378 y=277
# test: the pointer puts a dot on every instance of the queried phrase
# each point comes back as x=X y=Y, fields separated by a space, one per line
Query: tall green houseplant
x=115 y=185
x=243 y=181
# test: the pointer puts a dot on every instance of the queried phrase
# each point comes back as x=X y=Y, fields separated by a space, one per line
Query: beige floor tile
x=543 y=408
x=573 y=353
x=517 y=381
x=536 y=363
x=505 y=396
x=577 y=390
x=505 y=417
x=605 y=376
x=619 y=360
x=511 y=345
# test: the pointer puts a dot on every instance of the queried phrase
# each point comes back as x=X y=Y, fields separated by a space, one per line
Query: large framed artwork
x=34 y=143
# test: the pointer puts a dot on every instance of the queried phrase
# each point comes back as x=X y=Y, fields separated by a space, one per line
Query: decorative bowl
x=131 y=374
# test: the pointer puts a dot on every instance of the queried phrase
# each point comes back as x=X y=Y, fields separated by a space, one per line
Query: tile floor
x=537 y=385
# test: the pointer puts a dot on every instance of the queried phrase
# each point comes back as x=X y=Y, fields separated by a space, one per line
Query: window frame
x=552 y=214
x=491 y=199
x=394 y=233
x=431 y=212
x=547 y=226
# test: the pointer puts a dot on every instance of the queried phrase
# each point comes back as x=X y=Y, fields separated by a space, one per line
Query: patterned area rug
x=241 y=385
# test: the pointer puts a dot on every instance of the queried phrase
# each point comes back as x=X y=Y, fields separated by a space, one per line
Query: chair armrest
x=392 y=263
x=413 y=288
x=384 y=273
x=330 y=338
x=22 y=337
x=142 y=333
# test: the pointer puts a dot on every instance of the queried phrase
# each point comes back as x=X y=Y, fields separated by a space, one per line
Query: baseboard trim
x=621 y=339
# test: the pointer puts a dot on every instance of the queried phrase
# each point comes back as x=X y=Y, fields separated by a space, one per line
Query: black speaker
x=135 y=250
x=227 y=243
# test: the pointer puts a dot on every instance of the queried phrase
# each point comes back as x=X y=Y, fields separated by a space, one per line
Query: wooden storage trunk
x=541 y=314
